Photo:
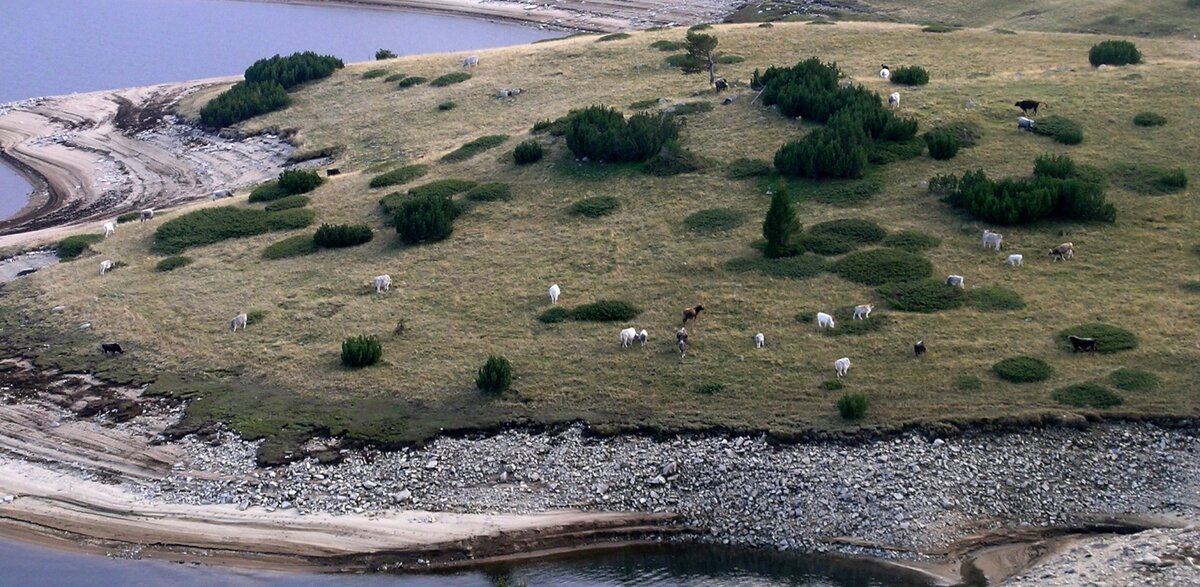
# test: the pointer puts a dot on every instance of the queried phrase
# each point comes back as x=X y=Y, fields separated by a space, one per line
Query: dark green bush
x=541 y=126
x=1149 y=119
x=922 y=295
x=72 y=247
x=474 y=148
x=744 y=168
x=554 y=315
x=994 y=298
x=129 y=217
x=939 y=28
x=426 y=218
x=672 y=160
x=290 y=219
x=835 y=151
x=1023 y=369
x=688 y=108
x=293 y=70
x=450 y=79
x=968 y=383
x=729 y=59
x=913 y=241
x=1063 y=129
x=911 y=75
x=853 y=406
x=1020 y=201
x=602 y=134
x=853 y=229
x=1055 y=166
x=294 y=181
x=891 y=152
x=714 y=220
x=1109 y=338
x=444 y=106
x=832 y=384
x=606 y=311
x=211 y=225
x=1114 y=53
x=528 y=152
x=1193 y=3
x=242 y=102
x=644 y=104
x=412 y=80
x=665 y=45
x=1087 y=395
x=495 y=376
x=1148 y=179
x=267 y=192
x=332 y=236
x=490 y=192
x=595 y=207
x=766 y=25
x=374 y=73
x=172 y=263
x=942 y=145
x=797 y=267
x=287 y=203
x=395 y=77
x=442 y=188
x=1190 y=286
x=880 y=266
x=710 y=387
x=255 y=317
x=292 y=246
x=382 y=54
x=699 y=27
x=399 y=176
x=361 y=351
x=613 y=37
x=967 y=133
x=1129 y=379
x=827 y=245
x=780 y=228
x=678 y=60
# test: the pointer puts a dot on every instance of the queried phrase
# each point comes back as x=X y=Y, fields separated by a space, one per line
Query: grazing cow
x=1063 y=251
x=682 y=345
x=627 y=337
x=824 y=320
x=109 y=228
x=919 y=348
x=332 y=171
x=692 y=313
x=1028 y=106
x=642 y=336
x=721 y=84
x=885 y=72
x=239 y=320
x=760 y=341
x=841 y=366
x=105 y=265
x=471 y=61
x=894 y=100
x=218 y=194
x=992 y=240
x=1025 y=123
x=956 y=280
x=111 y=348
x=1016 y=260
x=554 y=291
x=1079 y=343
x=681 y=334
x=383 y=283
x=147 y=215
x=863 y=311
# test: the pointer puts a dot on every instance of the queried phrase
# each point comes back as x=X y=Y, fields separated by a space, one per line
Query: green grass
x=613 y=37
x=922 y=295
x=268 y=192
x=395 y=77
x=939 y=28
x=1148 y=180
x=444 y=106
x=490 y=192
x=172 y=263
x=1088 y=395
x=995 y=298
x=596 y=207
x=798 y=267
x=850 y=193
x=853 y=406
x=374 y=73
x=857 y=230
x=450 y=79
x=688 y=108
x=644 y=104
x=913 y=241
x=1023 y=370
x=729 y=59
x=827 y=245
x=399 y=176
x=1109 y=338
x=745 y=168
x=968 y=383
x=292 y=246
x=474 y=148
x=665 y=45
x=709 y=387
x=408 y=82
x=128 y=217
x=1130 y=379
x=442 y=188
x=1062 y=129
x=714 y=221
x=598 y=311
x=880 y=266
x=1149 y=119
x=74 y=246
x=832 y=384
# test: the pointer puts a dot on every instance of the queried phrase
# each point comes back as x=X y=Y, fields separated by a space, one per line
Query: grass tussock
x=1023 y=370
x=474 y=148
x=714 y=220
x=1088 y=395
x=596 y=207
x=399 y=176
x=797 y=267
x=292 y=246
x=1132 y=379
x=172 y=263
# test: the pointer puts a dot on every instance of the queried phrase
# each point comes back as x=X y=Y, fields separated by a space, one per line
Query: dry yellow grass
x=479 y=292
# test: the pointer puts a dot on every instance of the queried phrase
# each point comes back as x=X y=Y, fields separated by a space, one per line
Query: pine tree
x=701 y=55
x=780 y=226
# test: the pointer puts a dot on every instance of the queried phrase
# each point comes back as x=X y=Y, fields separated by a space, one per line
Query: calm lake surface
x=53 y=47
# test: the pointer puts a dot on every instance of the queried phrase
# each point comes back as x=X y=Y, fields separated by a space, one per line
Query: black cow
x=1028 y=106
x=1086 y=345
x=332 y=171
x=721 y=84
x=112 y=348
x=919 y=348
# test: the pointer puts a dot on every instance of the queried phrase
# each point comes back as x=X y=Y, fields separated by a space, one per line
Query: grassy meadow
x=480 y=291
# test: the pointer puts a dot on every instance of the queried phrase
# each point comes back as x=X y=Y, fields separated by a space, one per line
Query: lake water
x=56 y=47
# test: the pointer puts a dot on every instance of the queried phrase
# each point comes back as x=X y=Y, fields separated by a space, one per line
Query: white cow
x=1016 y=260
x=991 y=240
x=627 y=337
x=471 y=61
x=863 y=311
x=894 y=100
x=554 y=291
x=147 y=214
x=824 y=320
x=884 y=72
x=105 y=265
x=109 y=228
x=218 y=194
x=760 y=341
x=383 y=283
x=642 y=336
x=239 y=320
x=956 y=280
x=841 y=366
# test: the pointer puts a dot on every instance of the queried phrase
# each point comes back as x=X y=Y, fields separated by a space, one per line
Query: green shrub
x=474 y=148
x=1020 y=201
x=1022 y=370
x=729 y=59
x=602 y=134
x=994 y=298
x=832 y=384
x=968 y=383
x=528 y=152
x=780 y=228
x=267 y=192
x=426 y=218
x=287 y=203
x=912 y=75
x=490 y=192
x=853 y=406
x=913 y=241
x=699 y=27
x=665 y=45
x=495 y=376
x=827 y=245
x=1193 y=3
x=835 y=151
x=450 y=79
x=1149 y=119
x=294 y=181
x=211 y=225
x=442 y=188
x=766 y=25
x=395 y=77
x=242 y=102
x=843 y=194
x=361 y=351
x=1148 y=179
x=967 y=133
x=672 y=160
x=293 y=70
x=444 y=106
x=290 y=219
x=412 y=80
x=541 y=126
x=644 y=104
x=606 y=311
x=797 y=267
x=853 y=229
x=942 y=146
x=374 y=73
x=939 y=28
x=255 y=317
x=172 y=263
x=714 y=220
x=677 y=60
x=880 y=266
x=688 y=108
x=1087 y=395
x=1114 y=53
x=399 y=176
x=382 y=54
x=555 y=315
x=73 y=246
x=129 y=217
x=743 y=168
x=1063 y=129
x=1129 y=379
x=1055 y=166
x=922 y=295
x=292 y=246
x=710 y=387
x=333 y=236
x=595 y=207
x=613 y=37
x=1109 y=338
